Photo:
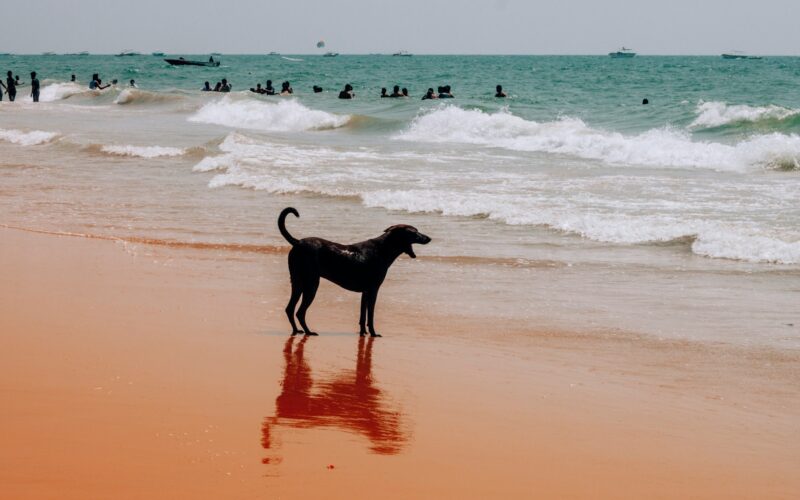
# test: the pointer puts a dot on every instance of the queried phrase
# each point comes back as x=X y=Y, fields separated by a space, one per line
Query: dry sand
x=133 y=371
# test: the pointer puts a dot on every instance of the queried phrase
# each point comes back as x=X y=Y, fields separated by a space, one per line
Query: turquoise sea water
x=597 y=89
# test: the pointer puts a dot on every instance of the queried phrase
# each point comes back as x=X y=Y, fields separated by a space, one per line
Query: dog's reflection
x=348 y=400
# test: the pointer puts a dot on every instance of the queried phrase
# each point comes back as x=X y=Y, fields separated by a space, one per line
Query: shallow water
x=583 y=207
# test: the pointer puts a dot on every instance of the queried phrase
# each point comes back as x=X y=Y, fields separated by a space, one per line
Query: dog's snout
x=424 y=239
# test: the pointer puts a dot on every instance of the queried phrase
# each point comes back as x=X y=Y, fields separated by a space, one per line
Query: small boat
x=622 y=53
x=330 y=54
x=128 y=53
x=216 y=54
x=48 y=53
x=81 y=54
x=403 y=53
x=158 y=54
x=183 y=62
x=273 y=54
x=736 y=54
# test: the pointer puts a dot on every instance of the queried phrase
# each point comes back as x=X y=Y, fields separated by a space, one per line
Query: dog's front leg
x=371 y=299
x=362 y=321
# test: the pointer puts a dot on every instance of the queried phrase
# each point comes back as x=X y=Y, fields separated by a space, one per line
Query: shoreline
x=153 y=371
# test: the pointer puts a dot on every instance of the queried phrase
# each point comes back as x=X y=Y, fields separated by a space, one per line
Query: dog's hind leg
x=362 y=321
x=297 y=291
x=310 y=286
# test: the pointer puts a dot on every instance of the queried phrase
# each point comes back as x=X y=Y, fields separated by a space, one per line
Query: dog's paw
x=373 y=335
x=312 y=334
x=296 y=332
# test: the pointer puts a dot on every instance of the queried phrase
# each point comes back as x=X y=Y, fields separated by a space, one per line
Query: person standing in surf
x=34 y=87
x=11 y=87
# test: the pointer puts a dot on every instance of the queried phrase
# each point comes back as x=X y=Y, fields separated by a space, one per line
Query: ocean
x=569 y=204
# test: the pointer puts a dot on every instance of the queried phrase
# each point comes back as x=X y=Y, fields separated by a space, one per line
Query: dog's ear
x=391 y=228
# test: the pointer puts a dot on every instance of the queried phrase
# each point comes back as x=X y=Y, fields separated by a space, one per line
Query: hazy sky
x=430 y=26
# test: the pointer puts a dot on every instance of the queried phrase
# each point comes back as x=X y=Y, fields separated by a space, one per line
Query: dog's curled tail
x=282 y=224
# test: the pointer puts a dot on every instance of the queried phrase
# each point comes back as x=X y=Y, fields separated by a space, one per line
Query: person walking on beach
x=34 y=87
x=11 y=87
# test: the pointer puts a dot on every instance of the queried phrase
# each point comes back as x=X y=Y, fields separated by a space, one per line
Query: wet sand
x=136 y=371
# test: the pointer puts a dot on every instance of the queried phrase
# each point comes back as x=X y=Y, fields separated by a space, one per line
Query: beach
x=132 y=370
x=608 y=307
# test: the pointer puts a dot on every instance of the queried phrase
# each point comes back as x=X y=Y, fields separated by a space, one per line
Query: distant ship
x=84 y=53
x=403 y=53
x=216 y=54
x=48 y=53
x=158 y=54
x=330 y=54
x=736 y=54
x=273 y=54
x=622 y=53
x=128 y=53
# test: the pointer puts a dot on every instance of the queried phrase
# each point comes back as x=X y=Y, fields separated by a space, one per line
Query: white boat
x=330 y=54
x=127 y=53
x=403 y=53
x=273 y=53
x=738 y=54
x=622 y=53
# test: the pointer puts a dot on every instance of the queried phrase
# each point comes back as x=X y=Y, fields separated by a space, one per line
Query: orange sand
x=145 y=372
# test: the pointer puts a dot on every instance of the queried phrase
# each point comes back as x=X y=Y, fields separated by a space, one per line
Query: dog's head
x=403 y=236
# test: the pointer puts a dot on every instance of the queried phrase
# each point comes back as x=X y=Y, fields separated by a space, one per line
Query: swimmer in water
x=217 y=87
x=206 y=87
x=396 y=91
x=226 y=87
x=286 y=88
x=317 y=89
x=133 y=84
x=73 y=78
x=270 y=90
x=258 y=89
x=500 y=92
x=383 y=92
x=34 y=87
x=429 y=95
x=347 y=93
x=445 y=93
x=97 y=83
x=645 y=101
x=405 y=92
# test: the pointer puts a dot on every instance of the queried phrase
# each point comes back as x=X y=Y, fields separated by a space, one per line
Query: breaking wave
x=139 y=151
x=664 y=147
x=32 y=138
x=282 y=116
x=717 y=114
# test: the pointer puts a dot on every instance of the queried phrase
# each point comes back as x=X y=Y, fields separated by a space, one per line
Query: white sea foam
x=60 y=91
x=142 y=151
x=716 y=114
x=709 y=238
x=282 y=116
x=570 y=136
x=32 y=138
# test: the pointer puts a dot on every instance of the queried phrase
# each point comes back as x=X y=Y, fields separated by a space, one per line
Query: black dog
x=360 y=267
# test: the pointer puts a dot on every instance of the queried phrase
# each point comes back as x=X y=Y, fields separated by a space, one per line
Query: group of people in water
x=9 y=87
x=443 y=92
x=96 y=83
x=286 y=89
